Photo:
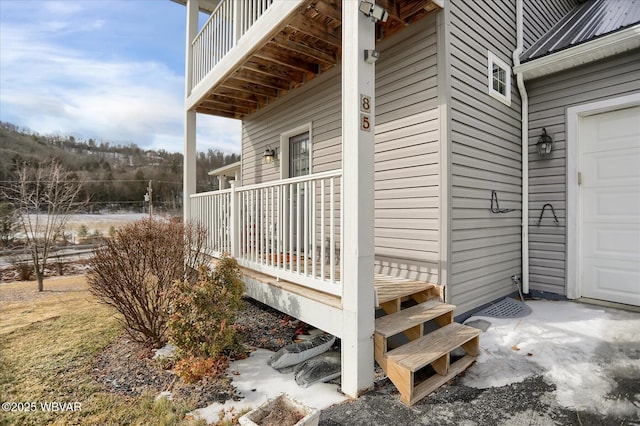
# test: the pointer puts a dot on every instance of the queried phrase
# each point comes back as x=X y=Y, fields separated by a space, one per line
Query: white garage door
x=610 y=206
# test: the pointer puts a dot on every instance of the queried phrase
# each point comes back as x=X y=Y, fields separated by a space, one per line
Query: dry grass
x=48 y=344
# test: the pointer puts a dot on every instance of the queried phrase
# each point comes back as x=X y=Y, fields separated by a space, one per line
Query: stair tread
x=390 y=288
x=425 y=350
x=400 y=321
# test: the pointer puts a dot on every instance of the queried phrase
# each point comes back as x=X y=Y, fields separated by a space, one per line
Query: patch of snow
x=257 y=383
x=166 y=351
x=579 y=348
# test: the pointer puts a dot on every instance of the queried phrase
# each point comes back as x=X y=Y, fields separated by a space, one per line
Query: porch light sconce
x=373 y=11
x=544 y=144
x=270 y=155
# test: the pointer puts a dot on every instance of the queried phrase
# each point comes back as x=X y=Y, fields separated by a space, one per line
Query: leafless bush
x=24 y=268
x=134 y=271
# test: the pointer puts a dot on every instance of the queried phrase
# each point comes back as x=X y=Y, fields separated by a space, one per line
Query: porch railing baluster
x=283 y=228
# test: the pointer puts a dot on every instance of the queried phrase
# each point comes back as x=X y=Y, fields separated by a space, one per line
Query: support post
x=358 y=116
x=189 y=168
x=234 y=221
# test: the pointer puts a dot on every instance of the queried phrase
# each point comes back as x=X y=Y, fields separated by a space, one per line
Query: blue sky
x=111 y=70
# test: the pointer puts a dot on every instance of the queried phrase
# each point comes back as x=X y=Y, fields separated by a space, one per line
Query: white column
x=358 y=79
x=234 y=222
x=189 y=167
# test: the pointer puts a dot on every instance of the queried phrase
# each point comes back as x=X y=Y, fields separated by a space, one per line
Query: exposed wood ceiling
x=305 y=47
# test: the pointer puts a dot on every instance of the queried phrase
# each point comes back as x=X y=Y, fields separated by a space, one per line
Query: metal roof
x=587 y=21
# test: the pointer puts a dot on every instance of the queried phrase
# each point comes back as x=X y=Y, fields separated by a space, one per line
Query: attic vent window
x=499 y=79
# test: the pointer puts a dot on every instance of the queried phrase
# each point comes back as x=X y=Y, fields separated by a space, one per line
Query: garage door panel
x=620 y=167
x=611 y=130
x=609 y=160
x=612 y=242
x=613 y=281
x=611 y=205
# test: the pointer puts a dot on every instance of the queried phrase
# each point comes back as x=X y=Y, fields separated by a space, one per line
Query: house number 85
x=365 y=108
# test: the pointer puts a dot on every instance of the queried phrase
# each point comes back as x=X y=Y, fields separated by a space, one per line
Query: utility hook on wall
x=555 y=218
x=495 y=207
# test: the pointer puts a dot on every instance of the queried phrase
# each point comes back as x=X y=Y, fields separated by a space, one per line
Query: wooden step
x=390 y=289
x=396 y=323
x=434 y=349
x=434 y=382
x=428 y=349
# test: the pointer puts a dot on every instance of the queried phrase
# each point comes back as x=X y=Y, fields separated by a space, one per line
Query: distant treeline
x=116 y=176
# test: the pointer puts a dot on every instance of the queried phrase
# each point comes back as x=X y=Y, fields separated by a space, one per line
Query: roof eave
x=599 y=48
x=225 y=169
x=206 y=6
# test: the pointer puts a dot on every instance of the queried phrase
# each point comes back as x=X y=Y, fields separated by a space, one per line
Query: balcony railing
x=289 y=228
x=226 y=25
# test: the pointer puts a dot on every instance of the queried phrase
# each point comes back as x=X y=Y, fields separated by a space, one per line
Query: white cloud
x=50 y=86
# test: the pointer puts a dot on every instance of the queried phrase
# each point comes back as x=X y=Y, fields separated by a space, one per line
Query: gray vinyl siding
x=549 y=98
x=407 y=179
x=485 y=155
x=540 y=16
x=407 y=171
x=317 y=103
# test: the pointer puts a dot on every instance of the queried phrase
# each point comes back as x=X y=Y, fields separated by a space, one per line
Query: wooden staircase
x=422 y=365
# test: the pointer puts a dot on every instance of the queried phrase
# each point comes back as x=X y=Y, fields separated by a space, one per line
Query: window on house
x=295 y=149
x=499 y=79
x=299 y=155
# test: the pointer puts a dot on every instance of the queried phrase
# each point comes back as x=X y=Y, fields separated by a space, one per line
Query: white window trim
x=493 y=59
x=283 y=156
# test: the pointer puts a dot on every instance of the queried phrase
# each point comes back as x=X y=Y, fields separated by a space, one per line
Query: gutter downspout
x=525 y=147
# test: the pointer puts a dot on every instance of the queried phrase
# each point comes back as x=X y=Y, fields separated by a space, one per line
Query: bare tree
x=44 y=195
x=8 y=223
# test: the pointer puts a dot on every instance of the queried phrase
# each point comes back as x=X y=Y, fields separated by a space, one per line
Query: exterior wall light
x=270 y=155
x=373 y=11
x=544 y=144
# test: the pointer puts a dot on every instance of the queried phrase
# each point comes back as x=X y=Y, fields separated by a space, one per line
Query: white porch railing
x=289 y=228
x=227 y=23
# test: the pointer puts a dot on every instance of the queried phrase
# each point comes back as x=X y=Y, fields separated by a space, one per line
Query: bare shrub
x=23 y=267
x=135 y=270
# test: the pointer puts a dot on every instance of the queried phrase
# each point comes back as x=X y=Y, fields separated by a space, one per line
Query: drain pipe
x=525 y=148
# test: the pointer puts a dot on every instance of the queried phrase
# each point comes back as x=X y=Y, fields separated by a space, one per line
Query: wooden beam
x=271 y=69
x=410 y=9
x=271 y=53
x=249 y=104
x=251 y=76
x=284 y=42
x=329 y=10
x=317 y=30
x=226 y=107
x=256 y=88
x=216 y=112
x=243 y=96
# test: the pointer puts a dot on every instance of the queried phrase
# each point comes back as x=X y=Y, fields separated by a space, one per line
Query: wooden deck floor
x=388 y=288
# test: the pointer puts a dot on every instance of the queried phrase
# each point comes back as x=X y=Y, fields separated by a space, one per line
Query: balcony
x=250 y=53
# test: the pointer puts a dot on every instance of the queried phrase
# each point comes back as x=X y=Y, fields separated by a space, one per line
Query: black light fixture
x=269 y=155
x=544 y=144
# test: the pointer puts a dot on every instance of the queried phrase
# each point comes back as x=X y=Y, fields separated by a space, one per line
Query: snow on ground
x=583 y=350
x=257 y=382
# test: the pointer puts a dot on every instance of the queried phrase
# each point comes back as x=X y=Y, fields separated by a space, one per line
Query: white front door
x=609 y=161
